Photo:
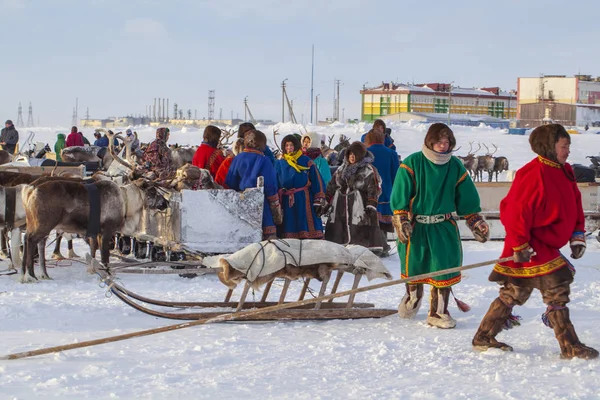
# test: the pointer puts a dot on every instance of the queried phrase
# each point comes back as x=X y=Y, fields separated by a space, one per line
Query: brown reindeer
x=470 y=160
x=65 y=205
x=486 y=163
x=500 y=165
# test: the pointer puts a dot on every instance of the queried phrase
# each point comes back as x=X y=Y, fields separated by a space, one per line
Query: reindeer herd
x=476 y=165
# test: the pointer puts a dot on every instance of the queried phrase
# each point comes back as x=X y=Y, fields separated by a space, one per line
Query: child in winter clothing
x=313 y=151
x=541 y=213
x=429 y=186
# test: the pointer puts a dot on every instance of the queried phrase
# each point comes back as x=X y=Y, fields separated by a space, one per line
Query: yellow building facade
x=394 y=98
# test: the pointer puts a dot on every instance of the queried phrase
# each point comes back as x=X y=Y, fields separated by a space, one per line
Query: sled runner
x=273 y=263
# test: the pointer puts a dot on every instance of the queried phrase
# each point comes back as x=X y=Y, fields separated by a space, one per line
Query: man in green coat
x=429 y=186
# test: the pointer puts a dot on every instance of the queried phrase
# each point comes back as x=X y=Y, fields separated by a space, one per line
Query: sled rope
x=235 y=315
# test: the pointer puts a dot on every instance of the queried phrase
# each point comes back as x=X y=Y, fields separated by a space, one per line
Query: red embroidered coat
x=542 y=209
x=208 y=157
x=222 y=171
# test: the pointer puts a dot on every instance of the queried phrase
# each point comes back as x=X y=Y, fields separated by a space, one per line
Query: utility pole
x=449 y=100
x=343 y=114
x=30 y=122
x=211 y=105
x=246 y=108
x=312 y=79
x=317 y=109
x=282 y=100
x=336 y=99
x=75 y=110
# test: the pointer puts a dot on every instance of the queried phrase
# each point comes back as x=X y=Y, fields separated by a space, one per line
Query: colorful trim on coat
x=533 y=271
x=521 y=247
x=438 y=284
x=386 y=219
x=211 y=159
x=473 y=220
x=549 y=163
x=247 y=150
x=462 y=178
x=269 y=230
x=303 y=235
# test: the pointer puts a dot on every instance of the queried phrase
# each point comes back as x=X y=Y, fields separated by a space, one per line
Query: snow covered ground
x=366 y=359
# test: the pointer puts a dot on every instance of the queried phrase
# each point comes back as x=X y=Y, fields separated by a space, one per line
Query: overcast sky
x=116 y=56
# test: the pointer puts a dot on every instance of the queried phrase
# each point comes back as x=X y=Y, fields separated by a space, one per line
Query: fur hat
x=358 y=149
x=212 y=135
x=315 y=140
x=245 y=127
x=374 y=137
x=255 y=140
x=290 y=138
x=238 y=146
x=544 y=138
x=438 y=131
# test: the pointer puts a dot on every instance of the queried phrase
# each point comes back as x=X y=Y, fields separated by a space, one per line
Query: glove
x=402 y=226
x=479 y=228
x=577 y=244
x=276 y=212
x=523 y=255
x=371 y=212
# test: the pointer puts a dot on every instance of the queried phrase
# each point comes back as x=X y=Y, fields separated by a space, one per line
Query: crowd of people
x=371 y=194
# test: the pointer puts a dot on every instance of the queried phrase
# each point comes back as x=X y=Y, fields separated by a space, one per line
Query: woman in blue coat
x=301 y=191
x=244 y=171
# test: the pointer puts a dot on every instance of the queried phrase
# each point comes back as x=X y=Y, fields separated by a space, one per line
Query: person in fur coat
x=302 y=193
x=244 y=171
x=429 y=186
x=541 y=213
x=353 y=192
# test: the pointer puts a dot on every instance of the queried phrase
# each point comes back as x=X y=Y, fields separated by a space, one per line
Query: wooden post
x=243 y=298
x=286 y=285
x=233 y=316
x=304 y=289
x=323 y=289
x=354 y=286
x=338 y=278
x=266 y=291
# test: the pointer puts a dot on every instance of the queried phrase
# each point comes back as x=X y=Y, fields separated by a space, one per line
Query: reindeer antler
x=226 y=135
x=330 y=139
x=495 y=149
x=276 y=132
x=487 y=153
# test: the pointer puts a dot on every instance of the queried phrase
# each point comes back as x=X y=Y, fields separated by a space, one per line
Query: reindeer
x=470 y=161
x=500 y=165
x=486 y=163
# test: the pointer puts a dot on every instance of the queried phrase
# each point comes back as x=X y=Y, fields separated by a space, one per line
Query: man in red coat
x=74 y=138
x=208 y=156
x=541 y=213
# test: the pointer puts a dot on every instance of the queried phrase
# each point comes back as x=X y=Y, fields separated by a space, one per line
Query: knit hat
x=8 y=122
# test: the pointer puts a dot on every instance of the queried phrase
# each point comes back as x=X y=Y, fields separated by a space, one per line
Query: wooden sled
x=324 y=310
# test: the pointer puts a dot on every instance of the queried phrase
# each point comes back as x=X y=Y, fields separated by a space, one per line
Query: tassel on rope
x=545 y=318
x=512 y=321
x=462 y=306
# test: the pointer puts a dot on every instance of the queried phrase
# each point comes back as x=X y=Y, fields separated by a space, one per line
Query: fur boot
x=570 y=346
x=438 y=309
x=492 y=323
x=411 y=302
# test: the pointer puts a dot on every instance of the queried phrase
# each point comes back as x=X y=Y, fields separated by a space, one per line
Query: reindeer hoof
x=57 y=256
x=45 y=277
x=28 y=279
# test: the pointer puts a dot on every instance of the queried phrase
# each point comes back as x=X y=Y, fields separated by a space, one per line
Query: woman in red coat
x=208 y=156
x=541 y=213
x=74 y=138
x=237 y=148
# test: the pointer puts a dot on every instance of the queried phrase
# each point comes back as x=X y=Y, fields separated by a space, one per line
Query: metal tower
x=30 y=122
x=75 y=110
x=20 y=116
x=211 y=105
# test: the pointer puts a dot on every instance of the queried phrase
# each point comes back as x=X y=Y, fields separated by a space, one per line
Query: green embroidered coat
x=424 y=188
